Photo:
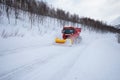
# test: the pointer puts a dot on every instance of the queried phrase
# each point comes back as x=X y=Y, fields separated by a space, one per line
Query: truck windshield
x=68 y=31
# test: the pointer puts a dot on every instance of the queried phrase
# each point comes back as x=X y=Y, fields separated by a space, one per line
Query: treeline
x=98 y=25
x=41 y=8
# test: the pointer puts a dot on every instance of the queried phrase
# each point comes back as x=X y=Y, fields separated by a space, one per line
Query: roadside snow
x=99 y=61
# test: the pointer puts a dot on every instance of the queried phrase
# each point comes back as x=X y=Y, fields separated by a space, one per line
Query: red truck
x=69 y=33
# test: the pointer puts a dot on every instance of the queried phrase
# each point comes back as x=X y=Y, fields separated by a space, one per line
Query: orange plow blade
x=57 y=40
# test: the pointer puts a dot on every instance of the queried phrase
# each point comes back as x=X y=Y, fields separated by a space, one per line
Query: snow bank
x=99 y=61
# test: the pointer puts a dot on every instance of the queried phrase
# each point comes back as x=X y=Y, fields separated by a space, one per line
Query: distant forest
x=42 y=9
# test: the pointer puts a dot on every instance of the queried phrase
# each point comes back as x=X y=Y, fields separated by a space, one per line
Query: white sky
x=105 y=10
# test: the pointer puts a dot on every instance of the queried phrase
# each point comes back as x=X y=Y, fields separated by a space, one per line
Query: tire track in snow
x=34 y=65
x=48 y=70
x=22 y=70
x=60 y=74
x=15 y=50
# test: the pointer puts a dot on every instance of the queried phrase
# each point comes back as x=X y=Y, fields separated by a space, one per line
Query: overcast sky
x=105 y=10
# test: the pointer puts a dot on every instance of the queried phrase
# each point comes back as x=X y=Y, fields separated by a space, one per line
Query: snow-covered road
x=48 y=62
x=41 y=60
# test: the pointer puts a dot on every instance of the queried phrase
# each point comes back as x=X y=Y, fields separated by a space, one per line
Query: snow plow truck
x=70 y=35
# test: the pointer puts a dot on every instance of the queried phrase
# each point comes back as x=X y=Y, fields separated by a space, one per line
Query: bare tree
x=7 y=12
x=16 y=11
x=0 y=14
x=118 y=36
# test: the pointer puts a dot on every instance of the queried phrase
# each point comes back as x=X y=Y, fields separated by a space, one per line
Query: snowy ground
x=35 y=57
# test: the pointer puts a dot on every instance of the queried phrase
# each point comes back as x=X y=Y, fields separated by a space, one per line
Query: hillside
x=41 y=10
x=116 y=22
